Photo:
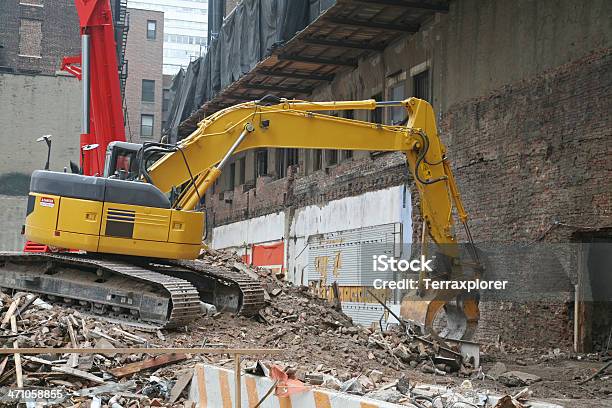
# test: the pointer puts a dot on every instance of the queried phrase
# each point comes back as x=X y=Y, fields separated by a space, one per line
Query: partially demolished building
x=522 y=91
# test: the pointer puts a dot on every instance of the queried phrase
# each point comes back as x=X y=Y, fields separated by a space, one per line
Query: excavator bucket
x=445 y=314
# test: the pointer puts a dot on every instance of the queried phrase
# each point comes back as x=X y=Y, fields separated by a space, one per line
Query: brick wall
x=526 y=155
x=144 y=58
x=47 y=31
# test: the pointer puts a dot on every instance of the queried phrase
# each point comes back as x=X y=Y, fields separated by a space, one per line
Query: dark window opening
x=317 y=159
x=332 y=157
x=232 y=176
x=284 y=159
x=151 y=29
x=349 y=114
x=148 y=90
x=261 y=163
x=146 y=126
x=242 y=171
x=420 y=85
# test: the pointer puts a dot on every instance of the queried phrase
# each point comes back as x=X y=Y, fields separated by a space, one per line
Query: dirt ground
x=315 y=342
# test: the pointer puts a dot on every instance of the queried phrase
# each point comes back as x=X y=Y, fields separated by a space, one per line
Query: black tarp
x=248 y=35
x=182 y=106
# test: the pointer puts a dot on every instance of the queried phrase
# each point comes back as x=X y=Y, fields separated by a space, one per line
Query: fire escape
x=122 y=28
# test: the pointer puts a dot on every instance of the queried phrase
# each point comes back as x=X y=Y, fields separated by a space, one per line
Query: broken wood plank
x=3 y=365
x=73 y=361
x=179 y=386
x=146 y=364
x=17 y=356
x=42 y=360
x=9 y=313
x=109 y=388
x=129 y=336
x=79 y=373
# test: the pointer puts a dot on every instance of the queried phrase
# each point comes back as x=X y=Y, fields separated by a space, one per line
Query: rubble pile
x=321 y=347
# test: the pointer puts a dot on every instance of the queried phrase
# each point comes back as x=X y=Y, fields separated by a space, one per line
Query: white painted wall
x=391 y=205
x=374 y=208
x=267 y=228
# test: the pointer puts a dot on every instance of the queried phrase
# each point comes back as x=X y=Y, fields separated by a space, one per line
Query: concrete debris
x=208 y=309
x=517 y=378
x=498 y=369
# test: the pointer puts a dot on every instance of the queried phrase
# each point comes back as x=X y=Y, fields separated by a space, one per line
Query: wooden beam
x=154 y=362
x=442 y=8
x=131 y=350
x=344 y=44
x=279 y=88
x=402 y=28
x=296 y=75
x=316 y=60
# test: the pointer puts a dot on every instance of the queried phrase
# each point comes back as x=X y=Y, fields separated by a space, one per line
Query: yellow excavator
x=139 y=228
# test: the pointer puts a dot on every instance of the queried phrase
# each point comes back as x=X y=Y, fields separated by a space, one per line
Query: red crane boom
x=97 y=68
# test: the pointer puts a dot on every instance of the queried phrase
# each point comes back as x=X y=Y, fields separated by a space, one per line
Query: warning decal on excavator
x=47 y=202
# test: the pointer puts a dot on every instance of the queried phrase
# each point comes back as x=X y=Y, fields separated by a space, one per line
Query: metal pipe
x=85 y=81
x=247 y=129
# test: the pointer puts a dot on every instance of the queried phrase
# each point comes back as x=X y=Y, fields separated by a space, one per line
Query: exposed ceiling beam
x=279 y=88
x=316 y=60
x=296 y=75
x=443 y=8
x=343 y=44
x=402 y=28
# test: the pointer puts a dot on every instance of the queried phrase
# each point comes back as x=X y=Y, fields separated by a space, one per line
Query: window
x=242 y=171
x=376 y=115
x=151 y=29
x=397 y=113
x=166 y=100
x=420 y=85
x=232 y=176
x=30 y=36
x=261 y=163
x=317 y=159
x=332 y=157
x=284 y=159
x=148 y=90
x=146 y=126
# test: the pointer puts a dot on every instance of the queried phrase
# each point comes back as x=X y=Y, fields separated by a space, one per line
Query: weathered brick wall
x=59 y=29
x=536 y=151
x=529 y=154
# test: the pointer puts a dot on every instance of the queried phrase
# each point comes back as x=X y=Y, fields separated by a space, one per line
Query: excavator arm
x=198 y=160
x=296 y=124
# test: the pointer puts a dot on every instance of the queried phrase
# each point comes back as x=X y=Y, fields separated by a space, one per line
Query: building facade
x=185 y=30
x=527 y=164
x=143 y=94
